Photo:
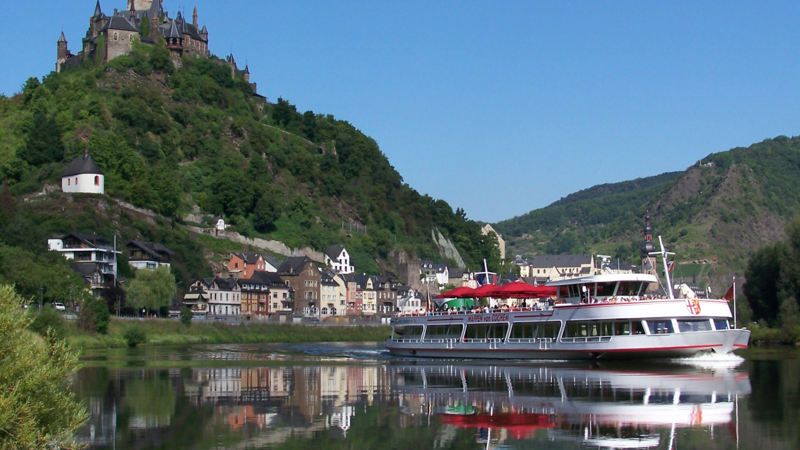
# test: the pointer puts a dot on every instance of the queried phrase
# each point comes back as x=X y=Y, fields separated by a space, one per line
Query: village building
x=97 y=255
x=544 y=268
x=244 y=265
x=302 y=275
x=224 y=295
x=83 y=176
x=501 y=244
x=148 y=255
x=338 y=259
x=354 y=294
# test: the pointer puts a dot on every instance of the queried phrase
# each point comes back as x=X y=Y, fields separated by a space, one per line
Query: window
x=721 y=324
x=116 y=36
x=535 y=330
x=97 y=180
x=69 y=182
x=661 y=326
x=690 y=326
x=76 y=180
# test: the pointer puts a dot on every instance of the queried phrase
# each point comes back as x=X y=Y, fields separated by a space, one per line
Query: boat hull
x=621 y=347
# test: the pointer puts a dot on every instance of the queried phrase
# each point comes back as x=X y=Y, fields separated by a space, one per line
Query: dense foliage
x=773 y=281
x=173 y=139
x=151 y=289
x=36 y=411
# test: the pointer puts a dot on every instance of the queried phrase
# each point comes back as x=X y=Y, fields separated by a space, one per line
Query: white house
x=338 y=259
x=83 y=176
x=224 y=295
x=88 y=249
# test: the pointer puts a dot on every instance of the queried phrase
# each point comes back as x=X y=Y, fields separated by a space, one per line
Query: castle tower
x=154 y=33
x=62 y=53
x=246 y=73
x=194 y=17
x=648 y=262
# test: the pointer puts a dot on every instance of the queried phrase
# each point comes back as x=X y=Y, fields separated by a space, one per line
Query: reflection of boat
x=607 y=407
x=594 y=317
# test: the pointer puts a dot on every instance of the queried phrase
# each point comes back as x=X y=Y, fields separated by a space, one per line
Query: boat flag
x=670 y=266
x=729 y=294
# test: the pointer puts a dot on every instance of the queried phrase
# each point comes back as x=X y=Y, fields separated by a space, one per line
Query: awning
x=459 y=292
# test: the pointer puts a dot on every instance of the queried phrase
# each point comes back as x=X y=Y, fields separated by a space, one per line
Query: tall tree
x=43 y=144
x=151 y=289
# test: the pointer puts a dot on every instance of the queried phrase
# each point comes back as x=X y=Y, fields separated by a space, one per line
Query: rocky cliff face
x=446 y=247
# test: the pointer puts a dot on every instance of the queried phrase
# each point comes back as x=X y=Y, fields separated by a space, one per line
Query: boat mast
x=664 y=254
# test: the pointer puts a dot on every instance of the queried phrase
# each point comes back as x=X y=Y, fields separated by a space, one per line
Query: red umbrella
x=487 y=290
x=519 y=289
x=459 y=292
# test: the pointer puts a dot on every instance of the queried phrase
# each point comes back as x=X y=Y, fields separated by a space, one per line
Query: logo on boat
x=693 y=306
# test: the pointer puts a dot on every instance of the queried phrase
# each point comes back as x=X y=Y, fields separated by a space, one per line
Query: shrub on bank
x=173 y=332
x=134 y=335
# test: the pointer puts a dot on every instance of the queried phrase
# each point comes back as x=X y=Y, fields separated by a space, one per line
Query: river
x=333 y=396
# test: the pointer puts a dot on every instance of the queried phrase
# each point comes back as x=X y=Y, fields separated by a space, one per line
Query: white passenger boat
x=602 y=316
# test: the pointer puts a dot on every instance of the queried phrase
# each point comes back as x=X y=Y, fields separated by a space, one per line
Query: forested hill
x=196 y=139
x=720 y=209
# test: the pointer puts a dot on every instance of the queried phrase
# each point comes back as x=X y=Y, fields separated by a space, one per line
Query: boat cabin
x=609 y=288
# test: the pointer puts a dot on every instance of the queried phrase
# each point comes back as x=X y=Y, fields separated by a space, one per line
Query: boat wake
x=712 y=361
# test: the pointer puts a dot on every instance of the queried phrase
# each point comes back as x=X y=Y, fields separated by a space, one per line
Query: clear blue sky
x=498 y=107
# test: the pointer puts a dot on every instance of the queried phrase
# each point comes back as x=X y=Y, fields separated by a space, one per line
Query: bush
x=186 y=316
x=46 y=319
x=93 y=316
x=134 y=336
x=37 y=411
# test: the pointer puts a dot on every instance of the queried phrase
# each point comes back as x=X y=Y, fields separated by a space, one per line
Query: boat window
x=487 y=331
x=638 y=328
x=407 y=332
x=629 y=288
x=592 y=329
x=563 y=292
x=535 y=330
x=443 y=331
x=721 y=324
x=689 y=326
x=605 y=289
x=622 y=328
x=661 y=326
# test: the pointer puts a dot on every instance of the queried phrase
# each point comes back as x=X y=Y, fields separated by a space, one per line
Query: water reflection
x=616 y=408
x=384 y=403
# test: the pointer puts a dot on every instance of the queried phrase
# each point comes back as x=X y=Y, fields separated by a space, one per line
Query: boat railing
x=471 y=312
x=483 y=340
x=529 y=340
x=406 y=341
x=439 y=340
x=576 y=340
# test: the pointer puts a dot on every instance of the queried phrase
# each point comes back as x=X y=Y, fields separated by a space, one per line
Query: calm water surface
x=334 y=396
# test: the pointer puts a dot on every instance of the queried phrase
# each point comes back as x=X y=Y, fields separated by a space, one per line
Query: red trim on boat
x=551 y=350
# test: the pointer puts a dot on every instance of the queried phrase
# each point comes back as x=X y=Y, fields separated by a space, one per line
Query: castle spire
x=97 y=11
x=194 y=17
x=62 y=38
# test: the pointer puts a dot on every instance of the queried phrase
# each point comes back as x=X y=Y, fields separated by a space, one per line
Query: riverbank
x=173 y=332
x=774 y=336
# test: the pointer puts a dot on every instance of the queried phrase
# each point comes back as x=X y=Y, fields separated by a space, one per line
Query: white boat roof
x=605 y=278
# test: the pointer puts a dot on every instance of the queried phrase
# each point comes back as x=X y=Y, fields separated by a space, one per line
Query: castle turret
x=62 y=53
x=194 y=17
x=246 y=73
x=648 y=263
x=154 y=33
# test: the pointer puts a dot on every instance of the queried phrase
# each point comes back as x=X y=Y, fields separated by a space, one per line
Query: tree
x=151 y=289
x=43 y=143
x=38 y=412
x=267 y=211
x=763 y=277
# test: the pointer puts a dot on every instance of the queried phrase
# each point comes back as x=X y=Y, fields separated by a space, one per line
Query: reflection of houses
x=98 y=255
x=223 y=383
x=148 y=255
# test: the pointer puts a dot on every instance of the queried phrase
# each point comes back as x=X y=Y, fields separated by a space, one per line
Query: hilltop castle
x=145 y=21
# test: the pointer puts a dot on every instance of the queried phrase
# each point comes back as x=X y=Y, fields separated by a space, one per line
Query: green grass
x=172 y=332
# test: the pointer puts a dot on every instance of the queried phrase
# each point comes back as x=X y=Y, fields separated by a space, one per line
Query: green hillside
x=714 y=214
x=196 y=139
